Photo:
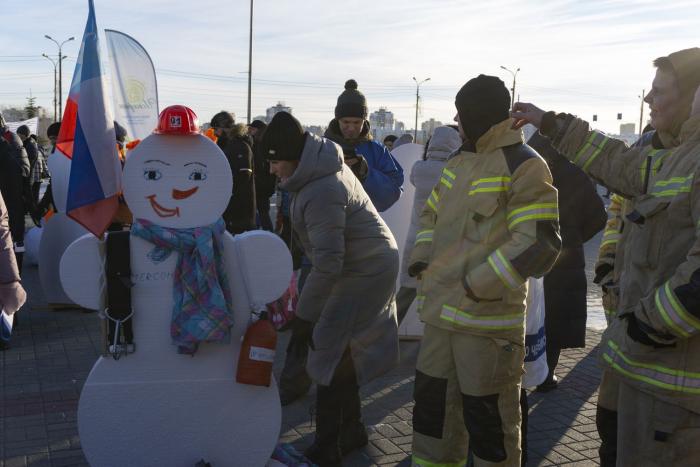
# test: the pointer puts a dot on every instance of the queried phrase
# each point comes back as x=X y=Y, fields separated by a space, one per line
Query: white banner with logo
x=32 y=123
x=134 y=87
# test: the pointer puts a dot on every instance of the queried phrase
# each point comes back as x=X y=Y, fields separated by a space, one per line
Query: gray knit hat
x=351 y=102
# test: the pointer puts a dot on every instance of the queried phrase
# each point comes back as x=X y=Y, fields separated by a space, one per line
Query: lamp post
x=53 y=62
x=415 y=128
x=250 y=58
x=512 y=94
x=60 y=70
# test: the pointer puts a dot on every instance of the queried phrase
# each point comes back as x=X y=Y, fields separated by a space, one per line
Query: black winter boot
x=353 y=434
x=325 y=450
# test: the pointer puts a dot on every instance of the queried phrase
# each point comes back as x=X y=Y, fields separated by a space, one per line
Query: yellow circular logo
x=135 y=91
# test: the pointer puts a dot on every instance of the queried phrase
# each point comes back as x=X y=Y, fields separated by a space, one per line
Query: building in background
x=272 y=111
x=627 y=129
x=427 y=129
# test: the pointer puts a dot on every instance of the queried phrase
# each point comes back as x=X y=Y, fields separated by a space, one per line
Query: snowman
x=175 y=400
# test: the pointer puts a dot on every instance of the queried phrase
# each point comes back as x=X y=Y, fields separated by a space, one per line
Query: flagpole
x=250 y=58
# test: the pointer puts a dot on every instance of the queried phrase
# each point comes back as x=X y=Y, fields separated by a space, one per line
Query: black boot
x=325 y=450
x=353 y=434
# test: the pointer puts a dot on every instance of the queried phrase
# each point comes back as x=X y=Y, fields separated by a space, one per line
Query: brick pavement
x=53 y=352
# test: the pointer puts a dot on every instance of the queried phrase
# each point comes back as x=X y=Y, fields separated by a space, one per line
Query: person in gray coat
x=346 y=315
x=425 y=174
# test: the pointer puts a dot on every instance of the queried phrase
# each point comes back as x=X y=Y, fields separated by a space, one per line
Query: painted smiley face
x=177 y=181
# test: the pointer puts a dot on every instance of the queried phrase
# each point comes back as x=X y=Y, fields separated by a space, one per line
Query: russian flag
x=87 y=137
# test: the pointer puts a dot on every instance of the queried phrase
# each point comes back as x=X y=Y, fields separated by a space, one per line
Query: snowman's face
x=177 y=181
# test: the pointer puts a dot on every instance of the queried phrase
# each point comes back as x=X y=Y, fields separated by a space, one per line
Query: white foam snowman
x=156 y=407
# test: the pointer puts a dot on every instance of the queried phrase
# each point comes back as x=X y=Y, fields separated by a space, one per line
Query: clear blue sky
x=581 y=57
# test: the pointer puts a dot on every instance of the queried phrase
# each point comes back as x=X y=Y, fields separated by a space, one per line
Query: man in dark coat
x=232 y=139
x=14 y=174
x=581 y=216
x=265 y=182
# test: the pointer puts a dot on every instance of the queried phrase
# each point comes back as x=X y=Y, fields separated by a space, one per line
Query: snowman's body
x=157 y=407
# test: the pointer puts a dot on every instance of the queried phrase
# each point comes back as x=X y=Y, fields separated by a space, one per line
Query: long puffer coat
x=581 y=216
x=350 y=291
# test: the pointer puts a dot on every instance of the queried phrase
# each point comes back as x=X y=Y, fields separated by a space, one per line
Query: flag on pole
x=87 y=138
x=134 y=86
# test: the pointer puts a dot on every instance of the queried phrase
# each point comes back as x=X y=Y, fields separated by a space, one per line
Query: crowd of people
x=491 y=209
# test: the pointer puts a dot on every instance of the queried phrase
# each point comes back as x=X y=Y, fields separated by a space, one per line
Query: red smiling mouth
x=179 y=194
x=162 y=211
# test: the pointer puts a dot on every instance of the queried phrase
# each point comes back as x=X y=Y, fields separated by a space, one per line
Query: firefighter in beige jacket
x=489 y=224
x=652 y=345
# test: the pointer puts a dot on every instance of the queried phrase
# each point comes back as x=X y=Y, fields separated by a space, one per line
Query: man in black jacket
x=265 y=182
x=14 y=172
x=240 y=212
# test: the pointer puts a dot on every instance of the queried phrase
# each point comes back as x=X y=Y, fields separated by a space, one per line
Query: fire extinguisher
x=257 y=353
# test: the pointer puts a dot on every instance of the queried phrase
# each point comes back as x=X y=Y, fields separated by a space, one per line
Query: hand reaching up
x=524 y=113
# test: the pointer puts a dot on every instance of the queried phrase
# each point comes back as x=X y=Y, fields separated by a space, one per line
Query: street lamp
x=60 y=70
x=250 y=58
x=512 y=97
x=415 y=128
x=53 y=62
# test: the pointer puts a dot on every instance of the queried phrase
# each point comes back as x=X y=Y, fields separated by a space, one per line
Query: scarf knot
x=202 y=310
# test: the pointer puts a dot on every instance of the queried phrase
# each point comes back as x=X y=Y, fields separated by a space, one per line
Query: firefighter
x=650 y=347
x=490 y=223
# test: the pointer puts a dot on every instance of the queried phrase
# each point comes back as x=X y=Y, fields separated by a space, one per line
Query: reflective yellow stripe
x=538 y=211
x=674 y=314
x=463 y=318
x=420 y=299
x=431 y=204
x=590 y=150
x=491 y=180
x=672 y=186
x=424 y=236
x=490 y=185
x=654 y=375
x=435 y=195
x=446 y=182
x=504 y=270
x=610 y=237
x=449 y=173
x=418 y=462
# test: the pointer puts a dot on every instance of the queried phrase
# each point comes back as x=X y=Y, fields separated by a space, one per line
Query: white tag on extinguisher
x=261 y=354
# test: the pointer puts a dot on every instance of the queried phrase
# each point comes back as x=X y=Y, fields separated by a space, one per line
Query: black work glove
x=302 y=337
x=637 y=334
x=416 y=269
x=602 y=272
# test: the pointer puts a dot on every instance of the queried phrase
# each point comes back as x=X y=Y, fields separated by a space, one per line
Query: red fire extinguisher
x=257 y=353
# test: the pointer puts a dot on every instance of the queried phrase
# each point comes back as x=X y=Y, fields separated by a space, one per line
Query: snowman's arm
x=82 y=272
x=259 y=268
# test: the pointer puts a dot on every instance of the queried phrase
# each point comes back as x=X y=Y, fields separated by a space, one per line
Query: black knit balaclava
x=481 y=103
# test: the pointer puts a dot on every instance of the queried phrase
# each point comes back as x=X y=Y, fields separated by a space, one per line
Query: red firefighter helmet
x=177 y=120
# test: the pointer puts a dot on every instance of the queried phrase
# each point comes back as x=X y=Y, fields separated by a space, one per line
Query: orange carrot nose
x=178 y=194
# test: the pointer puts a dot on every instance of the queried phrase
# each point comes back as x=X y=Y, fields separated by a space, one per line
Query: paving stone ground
x=53 y=352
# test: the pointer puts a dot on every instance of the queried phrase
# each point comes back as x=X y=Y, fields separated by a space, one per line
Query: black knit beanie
x=351 y=102
x=481 y=103
x=283 y=139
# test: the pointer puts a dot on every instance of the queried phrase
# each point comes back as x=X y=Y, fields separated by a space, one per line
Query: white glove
x=12 y=297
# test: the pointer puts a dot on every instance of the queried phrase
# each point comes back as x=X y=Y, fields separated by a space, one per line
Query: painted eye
x=197 y=175
x=152 y=174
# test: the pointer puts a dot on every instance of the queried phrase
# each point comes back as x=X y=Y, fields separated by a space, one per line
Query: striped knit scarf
x=202 y=310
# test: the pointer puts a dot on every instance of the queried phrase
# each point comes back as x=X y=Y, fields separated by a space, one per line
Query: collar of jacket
x=498 y=136
x=319 y=158
x=333 y=133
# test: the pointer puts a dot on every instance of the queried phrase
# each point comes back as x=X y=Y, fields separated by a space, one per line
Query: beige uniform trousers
x=655 y=433
x=467 y=394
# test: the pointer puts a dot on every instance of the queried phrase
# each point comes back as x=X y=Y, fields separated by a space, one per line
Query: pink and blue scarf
x=202 y=310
